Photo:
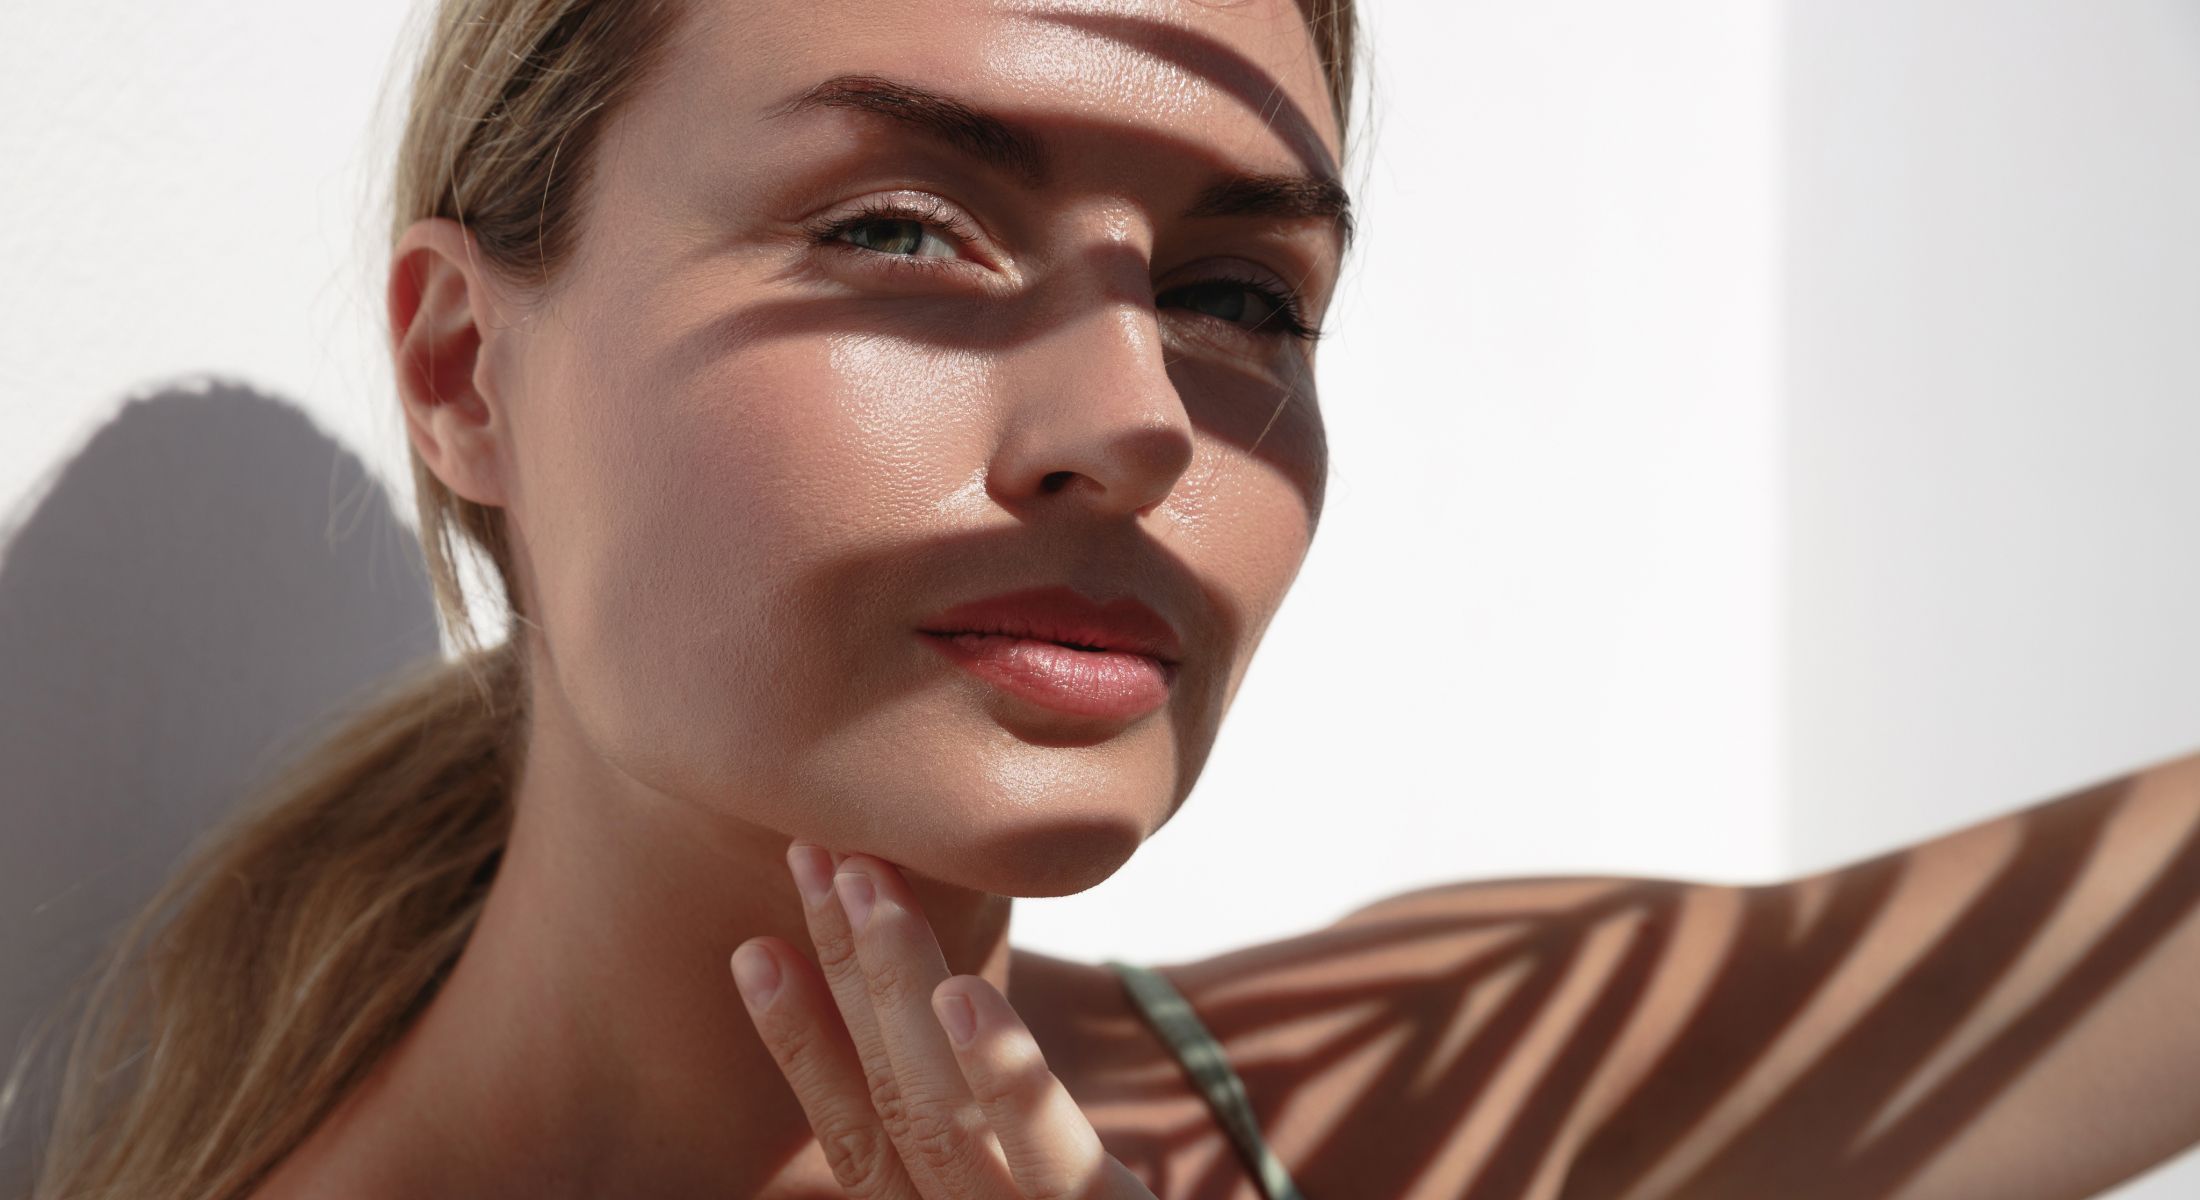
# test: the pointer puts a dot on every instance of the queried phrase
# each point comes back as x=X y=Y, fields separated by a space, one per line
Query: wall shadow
x=208 y=577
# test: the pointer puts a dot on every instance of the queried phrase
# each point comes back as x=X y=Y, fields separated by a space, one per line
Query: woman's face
x=824 y=368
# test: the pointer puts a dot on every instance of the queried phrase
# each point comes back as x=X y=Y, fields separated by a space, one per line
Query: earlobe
x=440 y=313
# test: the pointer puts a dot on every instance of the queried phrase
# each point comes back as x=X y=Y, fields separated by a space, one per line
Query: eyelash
x=1287 y=318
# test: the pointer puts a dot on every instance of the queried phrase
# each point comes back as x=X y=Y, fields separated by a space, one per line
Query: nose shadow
x=195 y=590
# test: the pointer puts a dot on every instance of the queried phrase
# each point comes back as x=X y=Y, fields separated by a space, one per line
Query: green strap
x=1170 y=1015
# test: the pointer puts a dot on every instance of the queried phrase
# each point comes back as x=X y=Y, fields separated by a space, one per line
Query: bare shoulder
x=1462 y=1039
x=1928 y=1024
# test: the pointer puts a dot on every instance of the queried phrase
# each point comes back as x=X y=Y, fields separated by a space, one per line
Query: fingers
x=917 y=1084
x=821 y=1065
x=902 y=1111
x=1049 y=1145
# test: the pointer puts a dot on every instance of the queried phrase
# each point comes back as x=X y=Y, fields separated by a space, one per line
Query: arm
x=2011 y=1010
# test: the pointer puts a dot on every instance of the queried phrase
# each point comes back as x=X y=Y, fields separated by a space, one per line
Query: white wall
x=1993 y=379
x=186 y=191
x=1665 y=322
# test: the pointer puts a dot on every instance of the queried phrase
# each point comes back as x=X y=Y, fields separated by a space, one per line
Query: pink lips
x=1055 y=648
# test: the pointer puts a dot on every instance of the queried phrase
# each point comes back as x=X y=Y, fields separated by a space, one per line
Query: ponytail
x=308 y=931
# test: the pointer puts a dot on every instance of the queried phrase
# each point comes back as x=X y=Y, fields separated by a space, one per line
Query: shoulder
x=1470 y=1035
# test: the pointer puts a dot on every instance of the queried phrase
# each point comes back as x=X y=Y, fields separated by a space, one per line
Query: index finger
x=919 y=1083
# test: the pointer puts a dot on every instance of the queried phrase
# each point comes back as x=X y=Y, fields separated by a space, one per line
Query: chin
x=1058 y=834
x=1057 y=859
x=946 y=791
x=1014 y=848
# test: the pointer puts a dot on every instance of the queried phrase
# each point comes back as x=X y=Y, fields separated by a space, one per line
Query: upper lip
x=1061 y=614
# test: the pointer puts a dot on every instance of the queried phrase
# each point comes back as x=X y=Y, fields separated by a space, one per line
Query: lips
x=1054 y=648
x=1066 y=617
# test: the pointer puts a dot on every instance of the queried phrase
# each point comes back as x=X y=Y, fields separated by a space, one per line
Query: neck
x=590 y=1038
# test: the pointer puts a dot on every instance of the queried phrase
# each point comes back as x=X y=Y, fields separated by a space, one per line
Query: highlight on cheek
x=910 y=395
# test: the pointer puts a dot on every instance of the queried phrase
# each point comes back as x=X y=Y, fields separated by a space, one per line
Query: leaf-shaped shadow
x=1549 y=973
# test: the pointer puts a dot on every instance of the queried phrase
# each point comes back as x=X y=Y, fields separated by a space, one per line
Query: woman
x=894 y=427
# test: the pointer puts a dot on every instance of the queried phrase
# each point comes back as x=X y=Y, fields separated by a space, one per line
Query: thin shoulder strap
x=1170 y=1015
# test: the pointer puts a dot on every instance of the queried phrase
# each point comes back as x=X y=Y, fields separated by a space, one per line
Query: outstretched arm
x=2011 y=1010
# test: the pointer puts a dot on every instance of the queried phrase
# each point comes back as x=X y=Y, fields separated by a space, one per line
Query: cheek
x=1252 y=498
x=713 y=601
x=1246 y=510
x=1250 y=529
x=1270 y=422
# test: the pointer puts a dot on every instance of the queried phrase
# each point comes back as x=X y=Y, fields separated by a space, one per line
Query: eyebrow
x=1012 y=148
x=1291 y=197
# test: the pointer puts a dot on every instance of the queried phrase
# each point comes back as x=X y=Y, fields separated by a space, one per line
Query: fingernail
x=756 y=975
x=855 y=896
x=957 y=1016
x=808 y=864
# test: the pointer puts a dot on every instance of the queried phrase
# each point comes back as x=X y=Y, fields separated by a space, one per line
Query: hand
x=902 y=1111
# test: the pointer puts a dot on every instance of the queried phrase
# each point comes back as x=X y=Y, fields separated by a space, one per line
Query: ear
x=444 y=316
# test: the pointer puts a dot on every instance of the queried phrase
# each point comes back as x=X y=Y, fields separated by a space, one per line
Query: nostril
x=1055 y=481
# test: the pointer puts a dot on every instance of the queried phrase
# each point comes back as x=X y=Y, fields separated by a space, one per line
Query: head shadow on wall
x=182 y=603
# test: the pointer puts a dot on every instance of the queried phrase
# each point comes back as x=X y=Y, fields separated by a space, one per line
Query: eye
x=900 y=227
x=896 y=236
x=1253 y=305
x=904 y=231
x=1225 y=300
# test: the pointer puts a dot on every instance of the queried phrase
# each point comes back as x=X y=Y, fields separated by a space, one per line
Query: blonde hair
x=299 y=940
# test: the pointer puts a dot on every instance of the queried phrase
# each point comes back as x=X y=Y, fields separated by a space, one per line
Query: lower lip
x=1086 y=683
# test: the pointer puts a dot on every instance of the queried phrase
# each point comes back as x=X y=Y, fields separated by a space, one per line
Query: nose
x=1095 y=420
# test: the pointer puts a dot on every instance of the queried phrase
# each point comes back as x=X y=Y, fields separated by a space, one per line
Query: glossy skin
x=919 y=1086
x=743 y=466
x=2003 y=1011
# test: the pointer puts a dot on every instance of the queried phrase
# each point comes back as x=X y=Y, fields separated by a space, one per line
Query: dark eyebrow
x=1292 y=197
x=1015 y=149
x=981 y=135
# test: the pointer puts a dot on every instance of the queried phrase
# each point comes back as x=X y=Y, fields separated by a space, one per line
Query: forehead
x=1239 y=81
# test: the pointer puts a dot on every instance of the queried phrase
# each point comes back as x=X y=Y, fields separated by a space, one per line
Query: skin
x=743 y=468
